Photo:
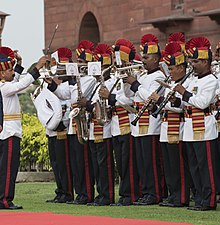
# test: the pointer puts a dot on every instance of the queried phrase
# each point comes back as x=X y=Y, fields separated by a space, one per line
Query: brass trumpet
x=123 y=72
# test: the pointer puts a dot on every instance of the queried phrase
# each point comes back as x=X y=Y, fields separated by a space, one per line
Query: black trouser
x=217 y=163
x=201 y=157
x=148 y=161
x=127 y=168
x=9 y=163
x=103 y=165
x=63 y=162
x=54 y=164
x=1 y=110
x=82 y=170
x=176 y=172
x=164 y=189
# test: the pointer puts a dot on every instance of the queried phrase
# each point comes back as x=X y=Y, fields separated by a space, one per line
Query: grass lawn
x=32 y=197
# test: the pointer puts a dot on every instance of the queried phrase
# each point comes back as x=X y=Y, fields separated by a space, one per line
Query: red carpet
x=23 y=218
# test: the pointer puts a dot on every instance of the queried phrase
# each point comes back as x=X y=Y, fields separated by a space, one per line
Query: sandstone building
x=107 y=20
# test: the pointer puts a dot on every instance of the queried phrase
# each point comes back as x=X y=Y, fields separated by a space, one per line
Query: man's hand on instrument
x=154 y=96
x=48 y=79
x=82 y=102
x=41 y=62
x=104 y=92
x=150 y=106
x=130 y=79
x=172 y=99
x=18 y=57
x=179 y=88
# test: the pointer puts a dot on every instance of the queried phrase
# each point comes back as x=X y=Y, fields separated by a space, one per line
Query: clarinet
x=169 y=95
x=146 y=105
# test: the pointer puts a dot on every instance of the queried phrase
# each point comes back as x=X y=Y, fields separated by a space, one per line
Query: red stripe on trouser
x=155 y=168
x=68 y=168
x=131 y=171
x=182 y=174
x=88 y=185
x=109 y=166
x=8 y=176
x=209 y=157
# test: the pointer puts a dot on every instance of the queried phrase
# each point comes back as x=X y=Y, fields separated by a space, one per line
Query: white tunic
x=147 y=87
x=204 y=93
x=65 y=91
x=107 y=126
x=11 y=105
x=164 y=124
x=51 y=133
x=124 y=96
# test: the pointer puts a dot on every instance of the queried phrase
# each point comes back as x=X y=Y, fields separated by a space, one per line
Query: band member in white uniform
x=200 y=128
x=80 y=159
x=12 y=131
x=120 y=97
x=100 y=142
x=146 y=132
x=173 y=148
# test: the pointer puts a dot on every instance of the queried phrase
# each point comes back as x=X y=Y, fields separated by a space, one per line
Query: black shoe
x=91 y=204
x=50 y=200
x=195 y=208
x=102 y=201
x=82 y=202
x=204 y=208
x=114 y=204
x=12 y=207
x=169 y=202
x=150 y=200
x=15 y=207
x=164 y=203
x=55 y=199
x=74 y=202
x=138 y=202
x=77 y=200
x=98 y=204
x=124 y=203
x=176 y=205
x=64 y=199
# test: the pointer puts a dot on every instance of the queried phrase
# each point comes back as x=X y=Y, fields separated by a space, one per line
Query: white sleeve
x=11 y=88
x=145 y=90
x=63 y=91
x=16 y=77
x=123 y=97
x=87 y=85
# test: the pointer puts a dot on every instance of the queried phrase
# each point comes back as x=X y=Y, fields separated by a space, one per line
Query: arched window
x=89 y=28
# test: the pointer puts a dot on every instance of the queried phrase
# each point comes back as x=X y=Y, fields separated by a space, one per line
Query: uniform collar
x=203 y=75
x=154 y=70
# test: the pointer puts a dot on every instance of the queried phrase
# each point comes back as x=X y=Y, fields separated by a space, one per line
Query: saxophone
x=79 y=116
x=102 y=110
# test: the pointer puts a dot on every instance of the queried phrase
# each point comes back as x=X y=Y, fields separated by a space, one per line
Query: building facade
x=107 y=20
